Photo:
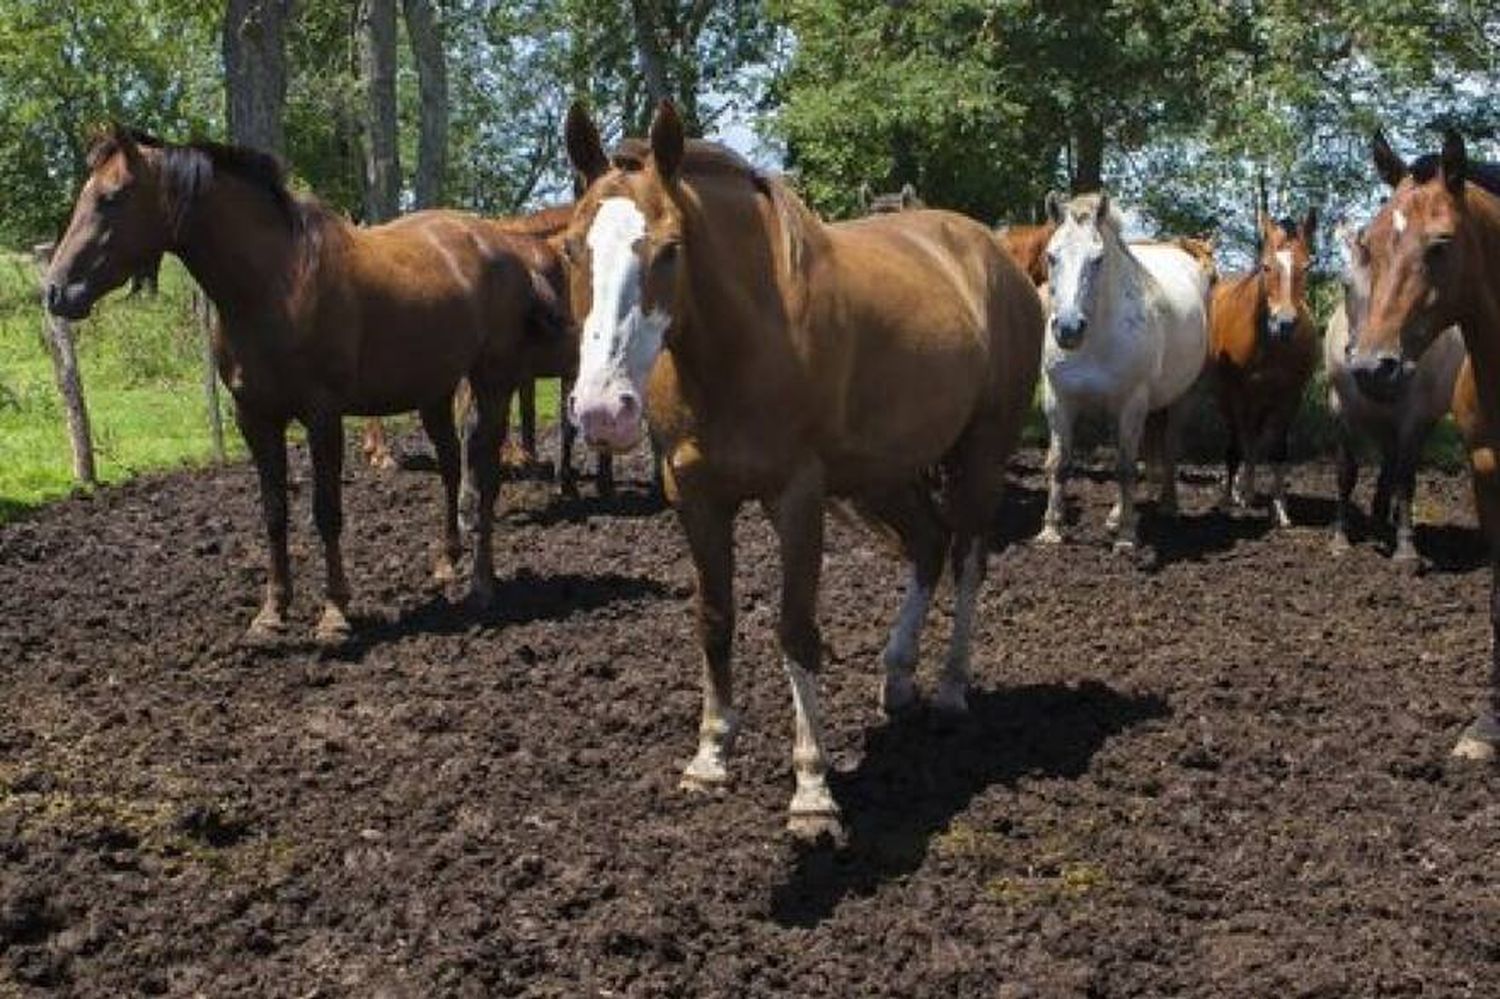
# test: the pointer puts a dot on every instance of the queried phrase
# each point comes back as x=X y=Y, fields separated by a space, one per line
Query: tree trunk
x=255 y=71
x=1088 y=155
x=377 y=46
x=648 y=51
x=425 y=29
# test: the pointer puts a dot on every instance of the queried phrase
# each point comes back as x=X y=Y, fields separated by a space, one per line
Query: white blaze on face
x=620 y=341
x=1284 y=264
x=1076 y=247
x=1398 y=219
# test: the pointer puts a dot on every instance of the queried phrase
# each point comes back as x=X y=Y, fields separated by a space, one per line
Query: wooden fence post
x=58 y=334
x=203 y=309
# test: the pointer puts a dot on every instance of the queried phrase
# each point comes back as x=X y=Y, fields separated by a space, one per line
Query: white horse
x=1128 y=333
x=1398 y=427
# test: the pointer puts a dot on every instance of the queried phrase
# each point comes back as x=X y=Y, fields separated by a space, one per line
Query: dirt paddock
x=1222 y=774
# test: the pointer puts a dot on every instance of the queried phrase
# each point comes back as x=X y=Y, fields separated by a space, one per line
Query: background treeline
x=1196 y=110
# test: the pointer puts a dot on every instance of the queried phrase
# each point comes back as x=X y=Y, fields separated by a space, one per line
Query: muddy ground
x=1225 y=774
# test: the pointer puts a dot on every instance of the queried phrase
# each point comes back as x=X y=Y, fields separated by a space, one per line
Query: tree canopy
x=1193 y=110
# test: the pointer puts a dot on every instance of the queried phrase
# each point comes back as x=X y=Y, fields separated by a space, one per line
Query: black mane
x=1486 y=175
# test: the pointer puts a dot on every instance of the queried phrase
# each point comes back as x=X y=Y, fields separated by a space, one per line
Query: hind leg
x=909 y=513
x=377 y=452
x=527 y=403
x=567 y=480
x=482 y=454
x=1348 y=477
x=325 y=436
x=1060 y=418
x=438 y=422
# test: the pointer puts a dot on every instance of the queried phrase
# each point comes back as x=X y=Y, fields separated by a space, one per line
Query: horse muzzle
x=1068 y=334
x=1380 y=376
x=71 y=301
x=610 y=422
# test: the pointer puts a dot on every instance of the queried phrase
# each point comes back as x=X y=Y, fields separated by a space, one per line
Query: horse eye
x=1437 y=250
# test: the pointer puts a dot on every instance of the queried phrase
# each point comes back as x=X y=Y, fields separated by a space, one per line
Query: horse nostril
x=1387 y=367
x=628 y=403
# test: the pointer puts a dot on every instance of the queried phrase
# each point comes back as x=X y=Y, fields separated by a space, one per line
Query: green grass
x=142 y=364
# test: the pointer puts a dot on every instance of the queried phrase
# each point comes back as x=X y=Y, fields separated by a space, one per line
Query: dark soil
x=1224 y=773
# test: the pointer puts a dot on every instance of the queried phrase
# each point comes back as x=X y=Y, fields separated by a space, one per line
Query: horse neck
x=1479 y=311
x=240 y=249
x=731 y=312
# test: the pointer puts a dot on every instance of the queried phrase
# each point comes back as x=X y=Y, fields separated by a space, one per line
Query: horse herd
x=888 y=361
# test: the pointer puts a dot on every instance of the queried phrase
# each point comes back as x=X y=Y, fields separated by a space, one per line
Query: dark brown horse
x=1434 y=256
x=1263 y=347
x=785 y=361
x=317 y=319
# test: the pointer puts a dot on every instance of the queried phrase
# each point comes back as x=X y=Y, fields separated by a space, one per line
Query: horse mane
x=1486 y=175
x=188 y=171
x=1088 y=204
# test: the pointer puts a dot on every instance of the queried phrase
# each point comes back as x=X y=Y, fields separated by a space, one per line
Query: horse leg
x=1059 y=462
x=1481 y=739
x=482 y=454
x=1279 y=450
x=1170 y=430
x=1404 y=487
x=924 y=539
x=1131 y=426
x=797 y=516
x=465 y=413
x=1348 y=477
x=377 y=452
x=437 y=420
x=1380 y=506
x=325 y=436
x=709 y=528
x=1228 y=392
x=506 y=450
x=528 y=420
x=977 y=486
x=266 y=439
x=567 y=481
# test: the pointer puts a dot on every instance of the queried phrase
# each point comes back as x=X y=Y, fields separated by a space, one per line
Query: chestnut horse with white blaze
x=1263 y=347
x=1434 y=263
x=317 y=319
x=784 y=360
x=1129 y=335
x=1399 y=426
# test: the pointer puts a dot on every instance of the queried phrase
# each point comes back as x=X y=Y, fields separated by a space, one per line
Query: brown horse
x=1263 y=347
x=1027 y=245
x=1434 y=254
x=317 y=319
x=785 y=361
x=550 y=351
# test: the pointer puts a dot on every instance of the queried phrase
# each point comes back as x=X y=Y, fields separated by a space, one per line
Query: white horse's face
x=1075 y=258
x=1354 y=257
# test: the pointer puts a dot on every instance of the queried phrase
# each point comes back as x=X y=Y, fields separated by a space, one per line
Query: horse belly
x=413 y=357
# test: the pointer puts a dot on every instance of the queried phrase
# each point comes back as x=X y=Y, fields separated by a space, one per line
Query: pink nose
x=610 y=421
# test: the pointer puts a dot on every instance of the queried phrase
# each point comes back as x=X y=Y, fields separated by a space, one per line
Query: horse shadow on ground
x=1195 y=537
x=915 y=777
x=635 y=500
x=520 y=599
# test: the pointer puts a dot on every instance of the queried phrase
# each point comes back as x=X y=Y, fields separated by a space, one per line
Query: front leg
x=1481 y=739
x=265 y=436
x=709 y=527
x=438 y=422
x=1404 y=482
x=1059 y=463
x=325 y=436
x=1131 y=426
x=1348 y=477
x=482 y=458
x=797 y=516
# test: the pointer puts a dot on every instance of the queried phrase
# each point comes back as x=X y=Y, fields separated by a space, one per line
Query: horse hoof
x=1339 y=545
x=381 y=461
x=898 y=694
x=1124 y=546
x=443 y=572
x=333 y=627
x=268 y=627
x=704 y=775
x=951 y=701
x=1405 y=557
x=815 y=828
x=481 y=598
x=1474 y=749
x=1048 y=535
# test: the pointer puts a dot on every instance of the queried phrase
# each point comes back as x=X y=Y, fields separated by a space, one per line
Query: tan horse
x=1263 y=347
x=1027 y=244
x=317 y=319
x=1434 y=254
x=786 y=361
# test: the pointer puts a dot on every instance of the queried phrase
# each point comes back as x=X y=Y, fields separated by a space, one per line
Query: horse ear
x=585 y=148
x=1455 y=163
x=667 y=141
x=1101 y=213
x=124 y=140
x=1309 y=230
x=1265 y=230
x=1388 y=165
x=1057 y=207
